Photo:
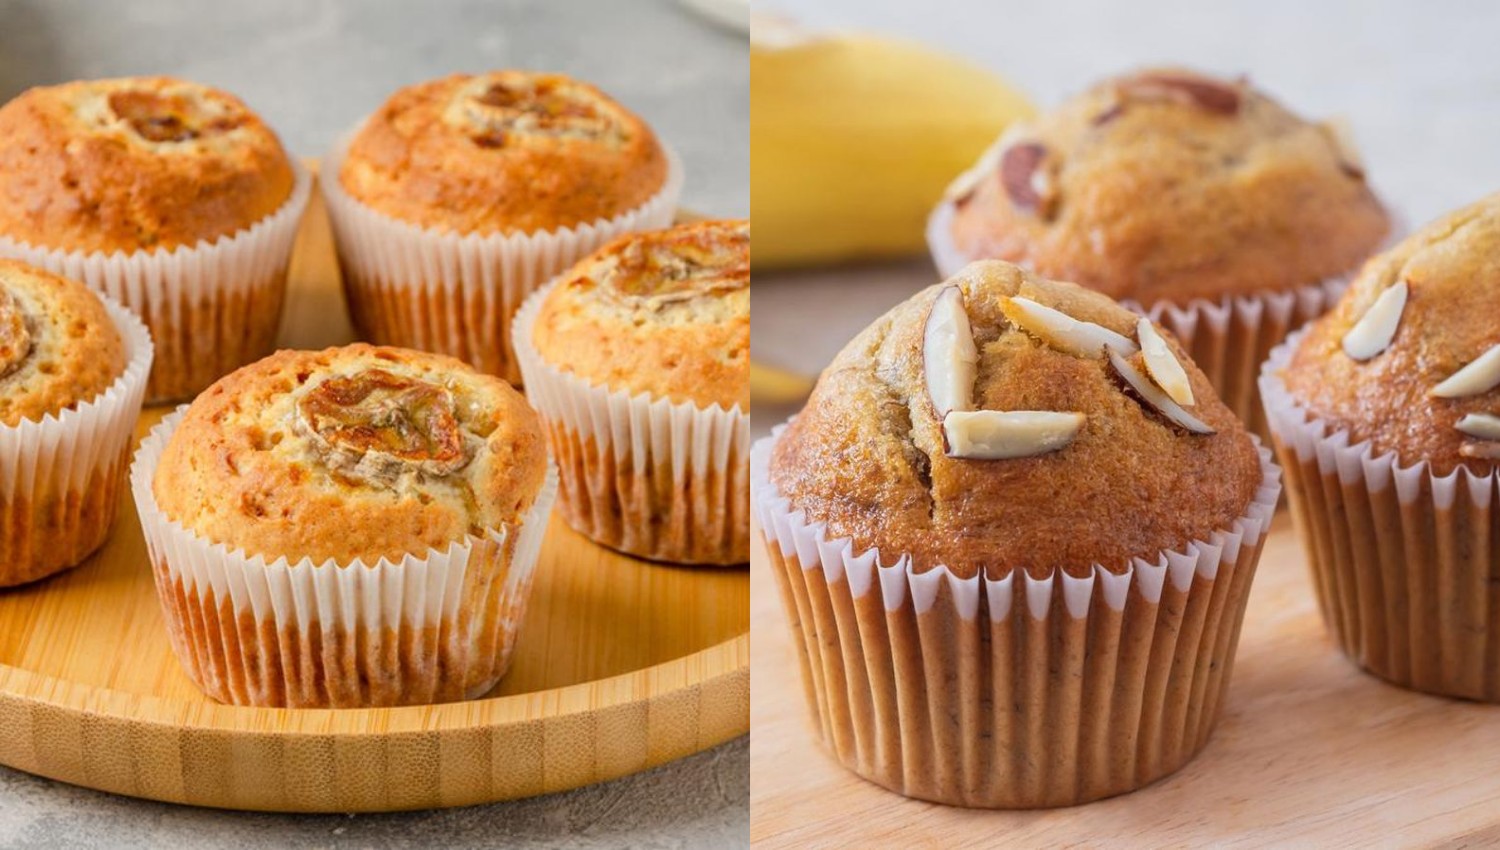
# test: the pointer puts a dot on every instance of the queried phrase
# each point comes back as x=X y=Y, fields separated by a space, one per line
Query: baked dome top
x=353 y=452
x=1169 y=185
x=1389 y=381
x=58 y=346
x=1086 y=469
x=503 y=151
x=665 y=312
x=140 y=163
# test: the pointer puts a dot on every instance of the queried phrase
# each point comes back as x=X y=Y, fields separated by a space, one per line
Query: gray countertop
x=312 y=68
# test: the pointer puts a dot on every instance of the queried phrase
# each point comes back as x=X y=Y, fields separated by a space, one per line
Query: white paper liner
x=1228 y=338
x=455 y=294
x=211 y=308
x=1402 y=559
x=392 y=632
x=1107 y=682
x=60 y=476
x=658 y=480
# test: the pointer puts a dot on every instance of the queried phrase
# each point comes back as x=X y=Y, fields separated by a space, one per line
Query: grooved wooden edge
x=380 y=759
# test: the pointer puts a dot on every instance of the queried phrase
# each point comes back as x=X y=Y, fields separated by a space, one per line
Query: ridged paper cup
x=438 y=627
x=1228 y=338
x=211 y=308
x=455 y=294
x=61 y=477
x=1403 y=561
x=1017 y=693
x=669 y=482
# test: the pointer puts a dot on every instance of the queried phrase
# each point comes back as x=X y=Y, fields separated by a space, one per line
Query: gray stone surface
x=313 y=68
x=700 y=801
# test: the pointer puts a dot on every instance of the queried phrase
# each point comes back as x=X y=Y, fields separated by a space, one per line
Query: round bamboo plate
x=622 y=665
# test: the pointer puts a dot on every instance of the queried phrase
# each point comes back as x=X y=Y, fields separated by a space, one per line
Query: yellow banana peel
x=770 y=385
x=853 y=140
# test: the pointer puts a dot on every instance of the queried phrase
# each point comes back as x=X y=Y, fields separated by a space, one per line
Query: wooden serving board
x=1309 y=752
x=622 y=665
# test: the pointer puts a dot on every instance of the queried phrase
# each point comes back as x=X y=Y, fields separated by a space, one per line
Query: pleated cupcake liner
x=436 y=627
x=1019 y=692
x=1403 y=561
x=1228 y=338
x=664 y=481
x=456 y=294
x=211 y=308
x=61 y=476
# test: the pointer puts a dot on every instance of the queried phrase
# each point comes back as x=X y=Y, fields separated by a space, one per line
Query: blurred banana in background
x=853 y=139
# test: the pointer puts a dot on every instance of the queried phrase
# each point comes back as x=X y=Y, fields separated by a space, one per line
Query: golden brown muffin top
x=1389 y=381
x=353 y=452
x=870 y=455
x=503 y=151
x=1168 y=185
x=141 y=163
x=58 y=346
x=665 y=312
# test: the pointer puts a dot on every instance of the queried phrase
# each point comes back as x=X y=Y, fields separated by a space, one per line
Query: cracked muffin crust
x=503 y=151
x=135 y=164
x=871 y=456
x=58 y=346
x=353 y=452
x=1422 y=382
x=663 y=312
x=1168 y=185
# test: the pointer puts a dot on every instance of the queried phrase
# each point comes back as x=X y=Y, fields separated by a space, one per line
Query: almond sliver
x=1479 y=376
x=1162 y=364
x=1063 y=332
x=1005 y=434
x=1374 y=331
x=949 y=359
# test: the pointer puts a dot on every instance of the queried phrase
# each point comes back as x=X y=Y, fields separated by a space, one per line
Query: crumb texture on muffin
x=1169 y=185
x=354 y=452
x=1446 y=321
x=501 y=152
x=663 y=312
x=869 y=456
x=58 y=346
x=135 y=164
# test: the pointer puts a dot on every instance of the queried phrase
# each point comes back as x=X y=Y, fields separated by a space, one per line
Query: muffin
x=1386 y=414
x=172 y=197
x=72 y=373
x=346 y=528
x=1013 y=491
x=638 y=359
x=1198 y=201
x=460 y=196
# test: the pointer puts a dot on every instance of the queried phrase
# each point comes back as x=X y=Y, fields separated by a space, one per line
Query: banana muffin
x=998 y=443
x=1200 y=200
x=352 y=469
x=64 y=395
x=502 y=180
x=164 y=194
x=1386 y=413
x=639 y=361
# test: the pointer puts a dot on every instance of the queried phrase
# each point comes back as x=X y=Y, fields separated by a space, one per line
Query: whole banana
x=854 y=138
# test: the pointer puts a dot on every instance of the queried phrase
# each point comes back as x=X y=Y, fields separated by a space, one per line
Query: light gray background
x=312 y=68
x=1419 y=82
